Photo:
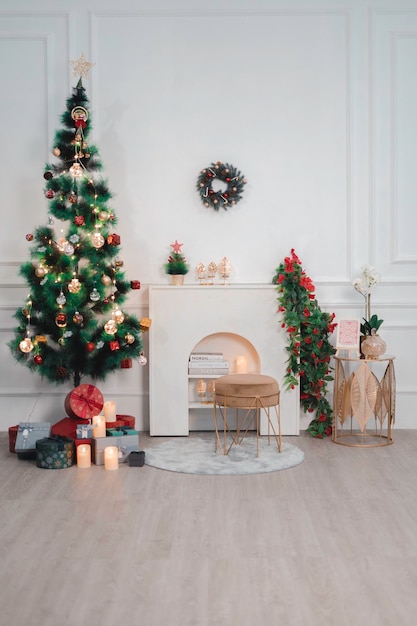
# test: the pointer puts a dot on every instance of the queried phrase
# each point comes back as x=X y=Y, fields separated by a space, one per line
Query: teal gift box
x=125 y=444
x=119 y=432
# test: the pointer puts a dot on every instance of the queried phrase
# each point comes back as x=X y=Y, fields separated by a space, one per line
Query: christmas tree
x=72 y=324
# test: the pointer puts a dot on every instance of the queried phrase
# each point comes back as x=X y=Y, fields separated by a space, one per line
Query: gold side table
x=364 y=401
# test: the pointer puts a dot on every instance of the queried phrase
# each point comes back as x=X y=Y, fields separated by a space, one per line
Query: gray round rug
x=193 y=455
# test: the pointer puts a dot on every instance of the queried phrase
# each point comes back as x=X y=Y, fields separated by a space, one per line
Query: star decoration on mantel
x=176 y=246
x=81 y=66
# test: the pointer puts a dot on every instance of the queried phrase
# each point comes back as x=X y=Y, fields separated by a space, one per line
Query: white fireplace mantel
x=182 y=318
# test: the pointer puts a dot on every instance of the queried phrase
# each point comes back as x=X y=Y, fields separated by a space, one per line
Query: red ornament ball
x=50 y=193
x=37 y=359
x=90 y=346
x=79 y=220
x=29 y=237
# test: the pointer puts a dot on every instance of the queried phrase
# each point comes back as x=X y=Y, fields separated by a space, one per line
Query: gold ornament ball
x=110 y=327
x=74 y=286
x=97 y=240
x=118 y=316
x=106 y=280
x=77 y=318
x=129 y=338
x=26 y=345
x=103 y=216
x=56 y=152
x=40 y=272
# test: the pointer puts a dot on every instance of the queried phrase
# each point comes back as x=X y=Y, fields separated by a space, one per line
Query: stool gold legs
x=238 y=434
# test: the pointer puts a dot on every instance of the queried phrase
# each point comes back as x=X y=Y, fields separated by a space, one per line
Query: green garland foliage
x=309 y=349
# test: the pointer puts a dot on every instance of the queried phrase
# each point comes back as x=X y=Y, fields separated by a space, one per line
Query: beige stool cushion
x=240 y=390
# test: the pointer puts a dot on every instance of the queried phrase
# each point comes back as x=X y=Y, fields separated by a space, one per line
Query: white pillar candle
x=111 y=458
x=241 y=365
x=110 y=411
x=84 y=455
x=99 y=423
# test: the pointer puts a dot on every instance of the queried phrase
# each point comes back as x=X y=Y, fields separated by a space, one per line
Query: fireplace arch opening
x=237 y=351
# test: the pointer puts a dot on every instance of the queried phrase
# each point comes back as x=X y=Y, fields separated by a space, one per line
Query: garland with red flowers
x=309 y=349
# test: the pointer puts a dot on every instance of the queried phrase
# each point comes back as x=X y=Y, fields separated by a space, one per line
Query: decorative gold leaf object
x=363 y=395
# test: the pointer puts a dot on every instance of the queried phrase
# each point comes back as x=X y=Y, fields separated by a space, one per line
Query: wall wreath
x=230 y=188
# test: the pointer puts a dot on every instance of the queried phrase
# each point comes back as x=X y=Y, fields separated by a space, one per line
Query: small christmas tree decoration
x=177 y=264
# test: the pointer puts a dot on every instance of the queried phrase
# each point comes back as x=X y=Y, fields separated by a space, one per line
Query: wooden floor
x=332 y=541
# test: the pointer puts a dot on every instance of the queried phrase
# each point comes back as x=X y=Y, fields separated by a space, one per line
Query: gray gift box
x=125 y=444
x=28 y=433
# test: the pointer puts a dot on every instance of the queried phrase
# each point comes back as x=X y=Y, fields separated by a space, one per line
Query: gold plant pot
x=177 y=279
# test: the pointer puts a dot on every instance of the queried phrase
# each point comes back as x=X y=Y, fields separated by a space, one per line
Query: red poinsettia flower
x=295 y=257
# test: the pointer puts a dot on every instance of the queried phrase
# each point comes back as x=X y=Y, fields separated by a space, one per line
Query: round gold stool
x=253 y=392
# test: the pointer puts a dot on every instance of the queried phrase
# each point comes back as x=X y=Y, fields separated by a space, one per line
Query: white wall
x=314 y=102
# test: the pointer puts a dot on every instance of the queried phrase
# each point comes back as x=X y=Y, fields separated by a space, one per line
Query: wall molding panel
x=315 y=105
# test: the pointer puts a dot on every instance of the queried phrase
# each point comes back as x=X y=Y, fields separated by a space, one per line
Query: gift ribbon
x=85 y=402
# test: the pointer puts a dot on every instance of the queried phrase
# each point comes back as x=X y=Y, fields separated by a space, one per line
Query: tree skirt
x=194 y=455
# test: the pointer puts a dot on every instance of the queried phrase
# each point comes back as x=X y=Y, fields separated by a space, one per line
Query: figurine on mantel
x=177 y=265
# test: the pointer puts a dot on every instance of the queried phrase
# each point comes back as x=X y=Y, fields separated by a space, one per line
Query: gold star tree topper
x=81 y=67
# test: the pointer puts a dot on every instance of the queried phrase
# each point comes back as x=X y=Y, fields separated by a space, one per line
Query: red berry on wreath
x=37 y=359
x=79 y=220
x=211 y=192
x=227 y=179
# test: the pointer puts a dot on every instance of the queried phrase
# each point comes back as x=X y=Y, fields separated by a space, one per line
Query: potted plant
x=371 y=326
x=176 y=265
x=371 y=344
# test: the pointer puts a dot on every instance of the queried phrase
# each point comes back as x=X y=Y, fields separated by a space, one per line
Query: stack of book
x=208 y=364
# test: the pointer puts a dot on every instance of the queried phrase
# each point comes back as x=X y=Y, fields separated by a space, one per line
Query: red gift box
x=122 y=420
x=67 y=427
x=113 y=240
x=79 y=442
x=135 y=284
x=84 y=402
x=12 y=437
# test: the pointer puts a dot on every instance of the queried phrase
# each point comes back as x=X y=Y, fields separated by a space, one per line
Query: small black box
x=137 y=458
